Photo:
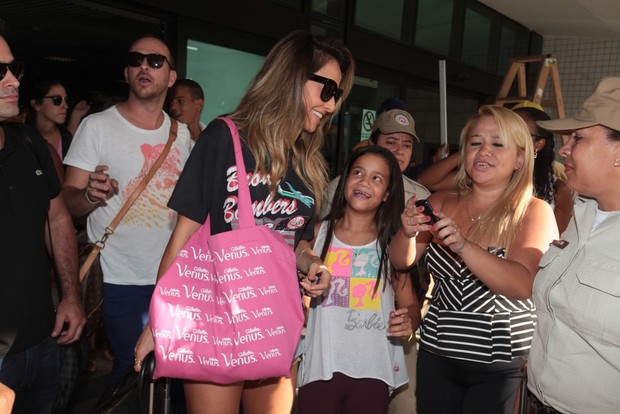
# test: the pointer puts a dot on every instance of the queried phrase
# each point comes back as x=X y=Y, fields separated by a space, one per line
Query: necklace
x=355 y=249
x=356 y=252
x=468 y=213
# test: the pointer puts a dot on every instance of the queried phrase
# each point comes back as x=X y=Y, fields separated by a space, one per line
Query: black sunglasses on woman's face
x=57 y=99
x=330 y=88
x=155 y=60
x=16 y=68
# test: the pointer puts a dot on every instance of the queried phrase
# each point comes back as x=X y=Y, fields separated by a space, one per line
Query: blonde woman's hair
x=500 y=223
x=272 y=113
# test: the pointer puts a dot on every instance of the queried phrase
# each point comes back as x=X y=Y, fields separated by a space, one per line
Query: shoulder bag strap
x=245 y=214
x=100 y=244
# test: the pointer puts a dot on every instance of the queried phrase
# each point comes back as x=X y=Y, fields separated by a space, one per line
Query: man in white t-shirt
x=111 y=153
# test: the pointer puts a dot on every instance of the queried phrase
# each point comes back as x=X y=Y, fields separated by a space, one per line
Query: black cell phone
x=428 y=210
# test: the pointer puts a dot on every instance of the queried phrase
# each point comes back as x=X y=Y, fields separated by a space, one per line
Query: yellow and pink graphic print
x=354 y=276
x=150 y=209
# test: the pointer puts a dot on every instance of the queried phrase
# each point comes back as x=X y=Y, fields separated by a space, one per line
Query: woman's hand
x=144 y=345
x=413 y=220
x=449 y=233
x=399 y=324
x=316 y=282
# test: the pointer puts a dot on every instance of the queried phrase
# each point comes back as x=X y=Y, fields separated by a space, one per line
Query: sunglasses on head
x=330 y=88
x=16 y=68
x=155 y=60
x=57 y=99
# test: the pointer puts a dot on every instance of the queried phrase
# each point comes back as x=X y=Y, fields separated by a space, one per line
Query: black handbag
x=136 y=393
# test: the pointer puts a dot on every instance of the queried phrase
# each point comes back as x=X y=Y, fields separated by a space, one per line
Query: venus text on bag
x=244 y=293
x=181 y=355
x=210 y=361
x=261 y=313
x=199 y=336
x=238 y=317
x=170 y=292
x=261 y=250
x=280 y=330
x=252 y=334
x=197 y=273
x=229 y=309
x=187 y=313
x=243 y=359
x=269 y=290
x=257 y=271
x=204 y=295
x=273 y=353
x=224 y=256
x=199 y=254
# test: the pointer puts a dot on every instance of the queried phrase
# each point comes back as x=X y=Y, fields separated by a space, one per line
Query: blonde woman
x=483 y=253
x=302 y=82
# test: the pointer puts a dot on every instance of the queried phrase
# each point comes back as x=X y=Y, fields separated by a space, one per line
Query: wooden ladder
x=548 y=65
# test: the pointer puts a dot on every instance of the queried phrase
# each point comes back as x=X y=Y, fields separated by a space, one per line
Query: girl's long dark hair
x=387 y=217
x=543 y=164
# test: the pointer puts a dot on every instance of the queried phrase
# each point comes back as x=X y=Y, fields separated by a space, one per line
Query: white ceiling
x=564 y=18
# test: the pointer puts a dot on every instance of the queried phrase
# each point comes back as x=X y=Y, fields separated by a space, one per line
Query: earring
x=535 y=154
x=617 y=162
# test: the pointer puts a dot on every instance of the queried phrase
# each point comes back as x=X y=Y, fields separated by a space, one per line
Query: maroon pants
x=343 y=395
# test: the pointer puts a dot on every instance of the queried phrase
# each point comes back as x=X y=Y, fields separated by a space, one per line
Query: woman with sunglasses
x=281 y=120
x=48 y=110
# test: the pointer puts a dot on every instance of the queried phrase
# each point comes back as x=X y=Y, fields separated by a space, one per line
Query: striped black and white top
x=466 y=320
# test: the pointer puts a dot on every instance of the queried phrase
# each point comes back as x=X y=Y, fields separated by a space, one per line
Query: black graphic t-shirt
x=208 y=185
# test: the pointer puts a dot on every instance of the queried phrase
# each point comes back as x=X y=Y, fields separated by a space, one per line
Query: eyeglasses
x=57 y=99
x=16 y=68
x=330 y=88
x=155 y=60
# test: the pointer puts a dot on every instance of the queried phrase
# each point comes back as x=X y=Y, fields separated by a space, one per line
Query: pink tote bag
x=229 y=308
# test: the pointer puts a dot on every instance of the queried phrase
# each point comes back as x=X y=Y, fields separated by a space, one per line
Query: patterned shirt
x=466 y=320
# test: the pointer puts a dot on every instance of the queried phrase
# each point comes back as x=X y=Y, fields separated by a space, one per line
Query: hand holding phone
x=428 y=210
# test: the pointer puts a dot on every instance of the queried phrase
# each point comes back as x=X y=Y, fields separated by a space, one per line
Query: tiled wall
x=582 y=62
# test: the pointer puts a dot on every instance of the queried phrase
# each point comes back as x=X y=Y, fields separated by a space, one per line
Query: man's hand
x=70 y=321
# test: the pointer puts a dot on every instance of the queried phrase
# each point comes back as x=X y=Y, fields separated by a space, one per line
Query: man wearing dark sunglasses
x=110 y=154
x=32 y=212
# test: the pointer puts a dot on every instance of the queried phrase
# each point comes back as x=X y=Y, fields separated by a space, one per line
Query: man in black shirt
x=33 y=218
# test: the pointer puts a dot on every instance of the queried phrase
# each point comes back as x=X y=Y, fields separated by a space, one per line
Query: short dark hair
x=612 y=134
x=392 y=103
x=194 y=87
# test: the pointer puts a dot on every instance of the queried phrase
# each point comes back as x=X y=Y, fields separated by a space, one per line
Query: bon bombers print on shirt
x=285 y=211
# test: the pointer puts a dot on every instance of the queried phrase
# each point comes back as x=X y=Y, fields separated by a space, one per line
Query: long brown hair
x=271 y=115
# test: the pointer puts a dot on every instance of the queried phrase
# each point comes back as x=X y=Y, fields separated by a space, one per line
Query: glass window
x=434 y=25
x=385 y=18
x=506 y=49
x=296 y=4
x=365 y=98
x=223 y=73
x=423 y=104
x=476 y=39
x=332 y=8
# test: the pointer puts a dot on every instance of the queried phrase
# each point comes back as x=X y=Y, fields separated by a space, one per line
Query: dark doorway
x=81 y=43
